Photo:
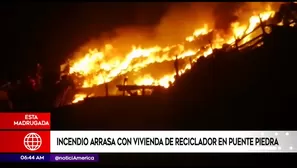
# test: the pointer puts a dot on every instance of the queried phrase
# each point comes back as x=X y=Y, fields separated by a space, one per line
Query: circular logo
x=32 y=141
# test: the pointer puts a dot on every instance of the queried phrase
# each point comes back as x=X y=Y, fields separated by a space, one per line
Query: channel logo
x=32 y=141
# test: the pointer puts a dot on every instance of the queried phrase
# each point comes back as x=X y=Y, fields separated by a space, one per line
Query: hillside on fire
x=231 y=66
x=234 y=90
x=212 y=80
x=248 y=90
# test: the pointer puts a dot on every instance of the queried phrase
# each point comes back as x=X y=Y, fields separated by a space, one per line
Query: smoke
x=182 y=19
x=225 y=13
x=173 y=24
x=177 y=22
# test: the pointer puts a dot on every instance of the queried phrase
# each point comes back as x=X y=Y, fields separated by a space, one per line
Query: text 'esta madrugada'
x=31 y=120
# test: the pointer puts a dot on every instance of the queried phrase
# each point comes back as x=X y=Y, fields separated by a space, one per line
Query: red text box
x=25 y=120
x=25 y=141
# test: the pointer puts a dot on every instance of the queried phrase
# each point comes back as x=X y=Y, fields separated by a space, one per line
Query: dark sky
x=49 y=32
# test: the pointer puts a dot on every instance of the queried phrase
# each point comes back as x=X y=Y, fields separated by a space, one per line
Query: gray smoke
x=225 y=13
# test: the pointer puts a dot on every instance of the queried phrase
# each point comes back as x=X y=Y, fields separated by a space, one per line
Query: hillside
x=253 y=89
x=239 y=90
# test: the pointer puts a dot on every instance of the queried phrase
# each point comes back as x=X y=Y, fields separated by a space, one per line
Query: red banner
x=25 y=120
x=25 y=141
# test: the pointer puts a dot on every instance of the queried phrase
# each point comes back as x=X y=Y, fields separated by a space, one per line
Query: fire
x=79 y=97
x=149 y=80
x=100 y=66
x=199 y=32
x=241 y=30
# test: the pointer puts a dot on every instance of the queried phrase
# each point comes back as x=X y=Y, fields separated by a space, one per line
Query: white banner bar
x=173 y=141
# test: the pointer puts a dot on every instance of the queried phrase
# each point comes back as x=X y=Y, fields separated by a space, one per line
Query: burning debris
x=151 y=70
x=108 y=65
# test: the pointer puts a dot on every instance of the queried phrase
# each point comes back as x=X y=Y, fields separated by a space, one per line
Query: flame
x=99 y=66
x=199 y=32
x=79 y=97
x=149 y=80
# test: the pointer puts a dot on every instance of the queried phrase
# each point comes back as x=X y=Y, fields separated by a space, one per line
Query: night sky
x=49 y=32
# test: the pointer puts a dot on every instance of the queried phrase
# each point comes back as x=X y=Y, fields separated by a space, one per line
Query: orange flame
x=97 y=67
